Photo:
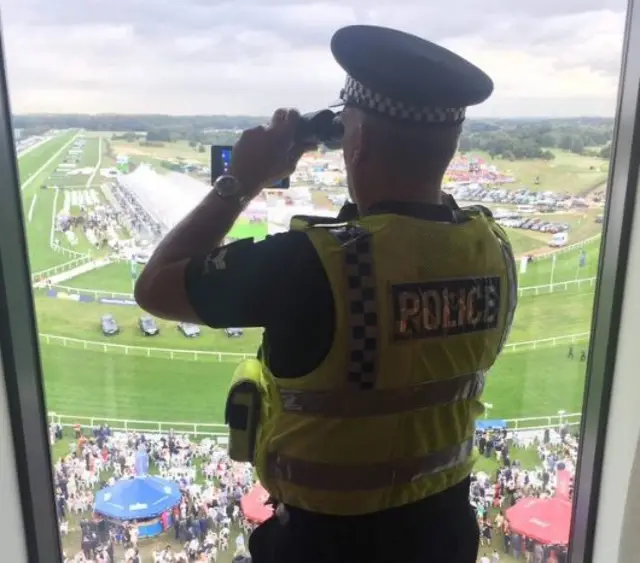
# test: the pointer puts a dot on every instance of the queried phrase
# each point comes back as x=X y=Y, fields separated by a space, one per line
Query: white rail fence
x=558 y=286
x=38 y=276
x=533 y=289
x=184 y=354
x=565 y=248
x=95 y=293
x=531 y=423
x=546 y=342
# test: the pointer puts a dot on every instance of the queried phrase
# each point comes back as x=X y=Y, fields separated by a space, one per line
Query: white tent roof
x=167 y=198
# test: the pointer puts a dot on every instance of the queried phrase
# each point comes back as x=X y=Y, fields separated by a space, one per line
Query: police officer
x=379 y=332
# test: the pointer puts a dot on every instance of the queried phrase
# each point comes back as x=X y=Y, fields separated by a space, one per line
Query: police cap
x=404 y=77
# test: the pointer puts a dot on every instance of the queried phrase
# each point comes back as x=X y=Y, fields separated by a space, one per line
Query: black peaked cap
x=405 y=77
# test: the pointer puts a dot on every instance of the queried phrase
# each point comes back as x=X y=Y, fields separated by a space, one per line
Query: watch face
x=227 y=186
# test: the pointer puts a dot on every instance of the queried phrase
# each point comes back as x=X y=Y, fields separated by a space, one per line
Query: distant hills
x=511 y=138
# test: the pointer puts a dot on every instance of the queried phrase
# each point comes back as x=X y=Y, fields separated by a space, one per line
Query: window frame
x=21 y=358
x=609 y=297
x=20 y=354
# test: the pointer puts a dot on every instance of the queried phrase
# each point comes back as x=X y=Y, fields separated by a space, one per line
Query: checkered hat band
x=358 y=94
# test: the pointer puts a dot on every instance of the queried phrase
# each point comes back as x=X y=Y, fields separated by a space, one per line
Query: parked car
x=189 y=330
x=148 y=326
x=233 y=332
x=109 y=325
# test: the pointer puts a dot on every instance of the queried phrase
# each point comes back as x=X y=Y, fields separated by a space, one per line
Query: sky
x=551 y=58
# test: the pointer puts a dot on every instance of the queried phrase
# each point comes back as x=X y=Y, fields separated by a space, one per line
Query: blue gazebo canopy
x=137 y=498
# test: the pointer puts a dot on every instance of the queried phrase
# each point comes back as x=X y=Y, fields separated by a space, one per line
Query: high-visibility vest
x=388 y=418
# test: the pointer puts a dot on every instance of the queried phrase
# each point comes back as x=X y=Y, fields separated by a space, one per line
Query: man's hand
x=263 y=155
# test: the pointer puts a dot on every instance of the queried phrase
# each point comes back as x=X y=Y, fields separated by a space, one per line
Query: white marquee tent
x=168 y=198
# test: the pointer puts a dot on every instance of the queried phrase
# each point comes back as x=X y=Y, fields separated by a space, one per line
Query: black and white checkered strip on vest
x=359 y=95
x=363 y=315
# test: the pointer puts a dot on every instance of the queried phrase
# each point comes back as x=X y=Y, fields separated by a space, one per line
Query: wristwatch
x=229 y=189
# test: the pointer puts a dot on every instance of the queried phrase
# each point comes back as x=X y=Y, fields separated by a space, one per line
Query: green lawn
x=134 y=386
x=88 y=161
x=538 y=383
x=117 y=277
x=567 y=267
x=112 y=384
x=176 y=150
x=41 y=255
x=523 y=241
x=31 y=162
x=156 y=388
x=90 y=155
x=538 y=316
x=244 y=229
x=568 y=172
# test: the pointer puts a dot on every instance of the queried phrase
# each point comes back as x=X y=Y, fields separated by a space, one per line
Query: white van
x=559 y=239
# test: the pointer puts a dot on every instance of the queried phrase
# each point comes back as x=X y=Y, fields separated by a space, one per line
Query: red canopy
x=253 y=506
x=547 y=521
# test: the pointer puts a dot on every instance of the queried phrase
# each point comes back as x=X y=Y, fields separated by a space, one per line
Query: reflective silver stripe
x=349 y=403
x=365 y=477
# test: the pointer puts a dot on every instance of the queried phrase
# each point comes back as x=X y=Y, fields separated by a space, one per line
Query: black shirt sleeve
x=247 y=284
x=279 y=284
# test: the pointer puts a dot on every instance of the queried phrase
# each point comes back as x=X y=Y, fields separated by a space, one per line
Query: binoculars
x=322 y=127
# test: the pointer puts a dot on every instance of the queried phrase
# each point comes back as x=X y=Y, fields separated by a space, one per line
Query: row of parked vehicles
x=535 y=225
x=520 y=196
x=148 y=327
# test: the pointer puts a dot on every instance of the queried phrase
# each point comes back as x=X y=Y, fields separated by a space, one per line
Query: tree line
x=503 y=138
x=535 y=138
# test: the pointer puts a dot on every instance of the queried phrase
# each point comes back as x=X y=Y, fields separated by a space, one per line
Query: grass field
x=117 y=277
x=112 y=384
x=133 y=386
x=538 y=316
x=180 y=149
x=538 y=383
x=568 y=172
x=36 y=172
x=87 y=163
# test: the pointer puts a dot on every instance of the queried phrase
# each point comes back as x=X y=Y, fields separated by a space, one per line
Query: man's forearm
x=200 y=232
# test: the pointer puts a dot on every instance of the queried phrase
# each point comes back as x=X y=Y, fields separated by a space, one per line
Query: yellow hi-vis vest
x=422 y=310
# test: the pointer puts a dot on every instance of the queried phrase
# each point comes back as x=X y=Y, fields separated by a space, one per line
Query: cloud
x=249 y=56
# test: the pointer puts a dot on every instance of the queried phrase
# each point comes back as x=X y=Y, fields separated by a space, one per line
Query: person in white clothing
x=485 y=559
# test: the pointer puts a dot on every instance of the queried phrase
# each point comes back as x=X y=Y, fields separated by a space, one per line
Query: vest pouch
x=242 y=415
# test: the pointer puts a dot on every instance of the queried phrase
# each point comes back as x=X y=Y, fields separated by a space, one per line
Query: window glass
x=116 y=109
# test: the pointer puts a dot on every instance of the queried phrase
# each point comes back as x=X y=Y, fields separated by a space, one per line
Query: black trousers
x=439 y=529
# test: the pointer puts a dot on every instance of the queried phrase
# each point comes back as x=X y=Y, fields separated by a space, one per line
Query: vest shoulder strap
x=478 y=210
x=343 y=234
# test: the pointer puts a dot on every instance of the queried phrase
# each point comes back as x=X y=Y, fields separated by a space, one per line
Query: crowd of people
x=209 y=521
x=134 y=215
x=492 y=495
